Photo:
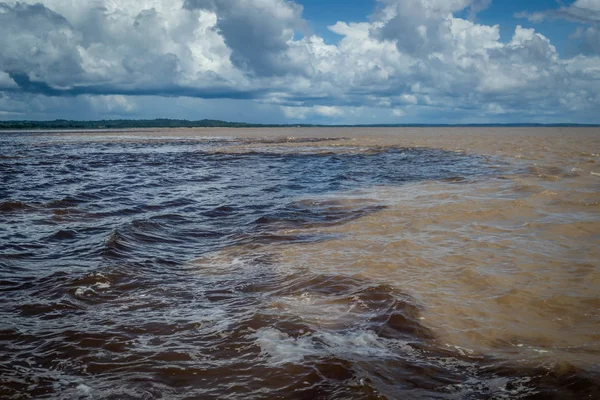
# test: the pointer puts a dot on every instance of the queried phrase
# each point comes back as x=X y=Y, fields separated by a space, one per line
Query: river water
x=300 y=263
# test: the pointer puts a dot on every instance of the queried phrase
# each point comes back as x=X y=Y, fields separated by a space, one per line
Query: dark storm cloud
x=257 y=32
x=39 y=42
x=25 y=84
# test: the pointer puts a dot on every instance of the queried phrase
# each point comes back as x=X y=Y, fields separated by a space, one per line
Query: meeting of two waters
x=299 y=264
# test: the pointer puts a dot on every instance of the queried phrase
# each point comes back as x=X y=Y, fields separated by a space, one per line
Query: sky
x=303 y=61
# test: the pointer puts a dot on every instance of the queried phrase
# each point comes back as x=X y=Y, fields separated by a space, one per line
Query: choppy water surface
x=300 y=264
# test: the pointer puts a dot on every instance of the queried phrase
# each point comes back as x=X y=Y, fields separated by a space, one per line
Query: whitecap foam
x=281 y=348
x=318 y=310
x=495 y=388
x=92 y=289
x=84 y=390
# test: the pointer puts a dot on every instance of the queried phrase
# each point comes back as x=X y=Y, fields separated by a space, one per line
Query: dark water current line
x=100 y=298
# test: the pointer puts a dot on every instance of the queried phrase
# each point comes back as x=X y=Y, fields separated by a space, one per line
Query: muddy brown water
x=443 y=263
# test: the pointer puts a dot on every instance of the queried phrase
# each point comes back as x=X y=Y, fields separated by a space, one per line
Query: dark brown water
x=174 y=265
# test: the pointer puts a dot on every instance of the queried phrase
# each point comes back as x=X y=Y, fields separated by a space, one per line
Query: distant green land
x=211 y=123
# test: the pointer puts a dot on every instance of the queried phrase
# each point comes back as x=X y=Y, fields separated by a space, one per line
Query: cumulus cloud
x=258 y=32
x=588 y=38
x=398 y=112
x=410 y=58
x=6 y=82
x=109 y=47
x=478 y=6
x=584 y=11
x=418 y=27
x=304 y=112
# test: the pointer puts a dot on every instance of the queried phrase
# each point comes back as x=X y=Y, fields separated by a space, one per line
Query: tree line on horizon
x=212 y=123
x=122 y=124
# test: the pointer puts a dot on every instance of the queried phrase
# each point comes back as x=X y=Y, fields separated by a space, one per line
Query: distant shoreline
x=206 y=123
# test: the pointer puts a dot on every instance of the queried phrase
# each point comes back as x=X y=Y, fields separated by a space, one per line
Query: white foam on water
x=84 y=390
x=82 y=290
x=463 y=351
x=85 y=290
x=493 y=388
x=321 y=311
x=280 y=348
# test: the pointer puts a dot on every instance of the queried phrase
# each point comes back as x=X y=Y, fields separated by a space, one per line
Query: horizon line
x=65 y=124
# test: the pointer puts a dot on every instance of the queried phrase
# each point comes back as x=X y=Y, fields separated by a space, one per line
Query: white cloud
x=408 y=99
x=494 y=108
x=113 y=104
x=304 y=112
x=587 y=39
x=258 y=32
x=295 y=112
x=412 y=56
x=478 y=6
x=6 y=82
x=584 y=11
x=398 y=112
x=328 y=111
x=123 y=46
